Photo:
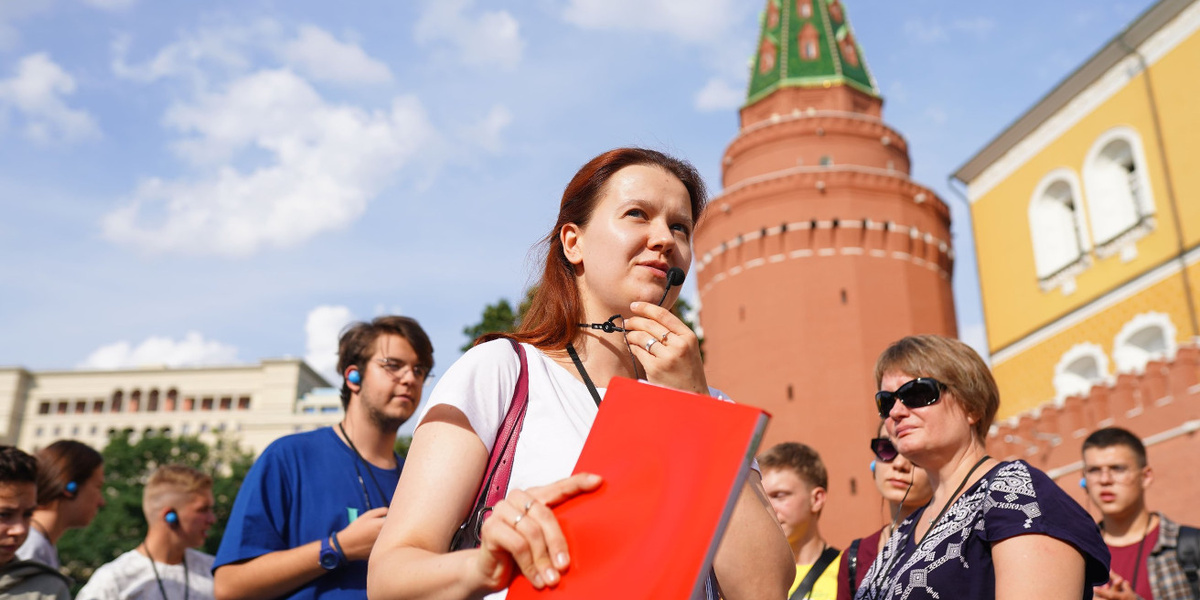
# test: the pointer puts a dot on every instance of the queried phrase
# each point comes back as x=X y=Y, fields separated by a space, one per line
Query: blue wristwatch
x=330 y=558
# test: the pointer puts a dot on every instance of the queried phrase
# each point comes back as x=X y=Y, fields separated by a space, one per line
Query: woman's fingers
x=524 y=527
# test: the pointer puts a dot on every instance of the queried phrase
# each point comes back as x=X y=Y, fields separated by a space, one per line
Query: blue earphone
x=172 y=517
x=71 y=488
x=872 y=466
x=1083 y=483
x=354 y=377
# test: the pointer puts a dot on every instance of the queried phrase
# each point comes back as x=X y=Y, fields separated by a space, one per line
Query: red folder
x=673 y=464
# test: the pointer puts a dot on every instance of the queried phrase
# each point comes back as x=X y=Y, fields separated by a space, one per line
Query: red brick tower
x=819 y=252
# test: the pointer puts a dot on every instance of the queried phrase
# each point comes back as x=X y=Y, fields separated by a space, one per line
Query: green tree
x=497 y=318
x=120 y=525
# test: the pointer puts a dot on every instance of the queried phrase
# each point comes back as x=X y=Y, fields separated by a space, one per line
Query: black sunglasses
x=919 y=392
x=884 y=449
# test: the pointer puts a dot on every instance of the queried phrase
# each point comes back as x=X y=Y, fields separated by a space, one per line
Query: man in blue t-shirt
x=309 y=510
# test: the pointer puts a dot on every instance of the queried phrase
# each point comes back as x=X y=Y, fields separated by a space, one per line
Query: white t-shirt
x=38 y=548
x=130 y=576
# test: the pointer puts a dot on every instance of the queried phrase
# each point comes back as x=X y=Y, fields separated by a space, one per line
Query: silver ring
x=528 y=505
x=663 y=339
x=650 y=343
x=519 y=517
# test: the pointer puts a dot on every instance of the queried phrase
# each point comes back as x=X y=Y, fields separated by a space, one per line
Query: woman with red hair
x=626 y=220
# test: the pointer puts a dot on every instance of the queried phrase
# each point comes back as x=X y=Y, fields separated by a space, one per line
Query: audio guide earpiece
x=70 y=489
x=172 y=517
x=354 y=377
x=1083 y=482
x=872 y=466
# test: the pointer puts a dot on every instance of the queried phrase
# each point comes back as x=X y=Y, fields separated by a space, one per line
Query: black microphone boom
x=675 y=276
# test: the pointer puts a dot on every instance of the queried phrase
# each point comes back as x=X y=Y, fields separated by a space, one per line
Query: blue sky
x=215 y=182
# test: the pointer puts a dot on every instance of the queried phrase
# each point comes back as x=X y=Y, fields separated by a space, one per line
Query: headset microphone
x=675 y=277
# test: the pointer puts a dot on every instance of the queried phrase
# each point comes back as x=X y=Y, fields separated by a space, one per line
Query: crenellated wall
x=1161 y=405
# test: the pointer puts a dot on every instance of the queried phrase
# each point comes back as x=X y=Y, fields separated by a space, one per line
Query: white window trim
x=1065 y=277
x=1075 y=353
x=1146 y=222
x=1137 y=324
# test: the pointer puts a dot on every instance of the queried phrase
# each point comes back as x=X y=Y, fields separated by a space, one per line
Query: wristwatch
x=330 y=558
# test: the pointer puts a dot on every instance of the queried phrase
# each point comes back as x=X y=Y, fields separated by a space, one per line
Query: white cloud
x=481 y=38
x=933 y=31
x=196 y=54
x=978 y=27
x=192 y=350
x=487 y=132
x=718 y=95
x=321 y=328
x=321 y=56
x=14 y=10
x=693 y=21
x=925 y=32
x=937 y=115
x=110 y=4
x=326 y=162
x=37 y=91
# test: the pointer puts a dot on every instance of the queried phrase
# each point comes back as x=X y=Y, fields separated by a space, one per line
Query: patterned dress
x=955 y=559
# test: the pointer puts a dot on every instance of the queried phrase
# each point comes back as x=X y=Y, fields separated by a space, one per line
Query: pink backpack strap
x=494 y=486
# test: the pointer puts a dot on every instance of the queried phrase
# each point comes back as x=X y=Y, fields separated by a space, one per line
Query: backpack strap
x=806 y=585
x=494 y=486
x=1188 y=552
x=852 y=566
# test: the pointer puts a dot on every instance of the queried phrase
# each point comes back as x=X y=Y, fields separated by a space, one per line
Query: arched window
x=1146 y=337
x=1120 y=201
x=1080 y=368
x=1056 y=228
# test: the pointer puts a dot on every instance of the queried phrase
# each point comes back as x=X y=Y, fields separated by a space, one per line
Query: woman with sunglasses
x=993 y=529
x=904 y=488
x=625 y=221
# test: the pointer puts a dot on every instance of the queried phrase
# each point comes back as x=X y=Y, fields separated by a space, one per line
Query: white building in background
x=253 y=404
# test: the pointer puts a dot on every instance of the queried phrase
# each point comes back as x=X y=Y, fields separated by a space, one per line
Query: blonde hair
x=171 y=485
x=955 y=365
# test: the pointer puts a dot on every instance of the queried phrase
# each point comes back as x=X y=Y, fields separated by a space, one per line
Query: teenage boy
x=178 y=504
x=795 y=481
x=23 y=580
x=310 y=508
x=1151 y=554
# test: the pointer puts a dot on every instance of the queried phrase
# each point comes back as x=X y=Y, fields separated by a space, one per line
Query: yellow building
x=1086 y=215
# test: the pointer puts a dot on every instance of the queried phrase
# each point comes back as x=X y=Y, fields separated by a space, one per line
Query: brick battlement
x=1158 y=401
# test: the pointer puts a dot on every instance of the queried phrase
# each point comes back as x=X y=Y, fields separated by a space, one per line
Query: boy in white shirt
x=178 y=504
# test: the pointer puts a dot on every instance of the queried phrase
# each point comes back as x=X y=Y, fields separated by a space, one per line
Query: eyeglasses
x=919 y=392
x=884 y=449
x=396 y=368
x=1117 y=473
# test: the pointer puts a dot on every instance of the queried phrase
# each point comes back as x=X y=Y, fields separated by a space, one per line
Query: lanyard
x=583 y=373
x=387 y=501
x=186 y=587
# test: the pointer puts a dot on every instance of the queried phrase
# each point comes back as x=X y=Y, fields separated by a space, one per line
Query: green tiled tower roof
x=807 y=43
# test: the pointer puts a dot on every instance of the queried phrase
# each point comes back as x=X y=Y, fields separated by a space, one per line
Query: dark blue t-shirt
x=955 y=560
x=301 y=489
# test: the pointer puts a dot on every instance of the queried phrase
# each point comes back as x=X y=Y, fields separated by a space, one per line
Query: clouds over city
x=274 y=160
x=934 y=30
x=34 y=99
x=695 y=21
x=190 y=351
x=322 y=327
x=478 y=37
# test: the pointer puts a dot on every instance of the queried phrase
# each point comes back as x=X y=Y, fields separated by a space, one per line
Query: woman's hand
x=673 y=357
x=522 y=532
